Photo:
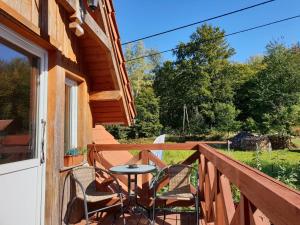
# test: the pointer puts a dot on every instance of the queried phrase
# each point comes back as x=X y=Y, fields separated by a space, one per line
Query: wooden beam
x=95 y=31
x=104 y=96
x=144 y=147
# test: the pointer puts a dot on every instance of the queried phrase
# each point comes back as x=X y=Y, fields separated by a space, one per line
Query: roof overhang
x=111 y=98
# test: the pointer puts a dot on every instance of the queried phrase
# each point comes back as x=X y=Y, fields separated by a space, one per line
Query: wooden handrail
x=278 y=202
x=146 y=147
x=263 y=200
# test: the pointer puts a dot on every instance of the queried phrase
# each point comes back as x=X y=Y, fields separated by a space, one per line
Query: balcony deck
x=171 y=219
x=262 y=200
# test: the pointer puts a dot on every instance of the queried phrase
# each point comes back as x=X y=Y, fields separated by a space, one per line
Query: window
x=19 y=72
x=71 y=112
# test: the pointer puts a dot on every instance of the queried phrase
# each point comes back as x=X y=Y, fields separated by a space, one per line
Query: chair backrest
x=86 y=176
x=179 y=176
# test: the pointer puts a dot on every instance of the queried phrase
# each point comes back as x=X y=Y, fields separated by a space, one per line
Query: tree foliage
x=140 y=70
x=198 y=79
x=271 y=98
x=147 y=121
x=140 y=73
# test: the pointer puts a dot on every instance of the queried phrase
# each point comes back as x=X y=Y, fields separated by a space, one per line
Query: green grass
x=291 y=157
x=173 y=157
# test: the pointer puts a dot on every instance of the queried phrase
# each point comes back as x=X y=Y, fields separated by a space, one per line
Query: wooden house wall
x=29 y=9
x=64 y=60
x=46 y=23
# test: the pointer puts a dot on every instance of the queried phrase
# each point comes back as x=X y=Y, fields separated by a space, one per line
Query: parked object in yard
x=280 y=141
x=248 y=141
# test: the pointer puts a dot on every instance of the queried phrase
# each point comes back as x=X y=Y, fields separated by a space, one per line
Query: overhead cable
x=198 y=22
x=222 y=36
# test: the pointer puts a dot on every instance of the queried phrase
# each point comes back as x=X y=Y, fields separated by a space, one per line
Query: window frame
x=73 y=113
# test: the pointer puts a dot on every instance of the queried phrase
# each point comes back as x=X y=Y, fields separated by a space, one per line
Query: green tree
x=140 y=70
x=147 y=121
x=199 y=78
x=141 y=75
x=272 y=96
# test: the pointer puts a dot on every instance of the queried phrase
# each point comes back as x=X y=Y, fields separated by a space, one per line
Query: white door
x=23 y=103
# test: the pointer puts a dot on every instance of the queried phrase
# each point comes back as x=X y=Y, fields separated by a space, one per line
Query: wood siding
x=91 y=60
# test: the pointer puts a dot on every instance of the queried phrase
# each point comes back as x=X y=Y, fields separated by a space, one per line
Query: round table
x=126 y=170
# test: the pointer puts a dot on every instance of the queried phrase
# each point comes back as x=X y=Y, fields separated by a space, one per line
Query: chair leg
x=122 y=209
x=86 y=212
x=197 y=209
x=153 y=212
x=123 y=215
x=165 y=205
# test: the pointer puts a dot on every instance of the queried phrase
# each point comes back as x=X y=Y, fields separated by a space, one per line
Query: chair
x=179 y=188
x=85 y=183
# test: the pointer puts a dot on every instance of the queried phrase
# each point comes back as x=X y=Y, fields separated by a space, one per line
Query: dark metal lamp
x=93 y=4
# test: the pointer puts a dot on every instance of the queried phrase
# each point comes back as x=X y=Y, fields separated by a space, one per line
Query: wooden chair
x=179 y=188
x=85 y=184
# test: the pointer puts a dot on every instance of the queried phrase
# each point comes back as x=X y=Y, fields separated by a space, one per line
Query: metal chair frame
x=156 y=181
x=85 y=201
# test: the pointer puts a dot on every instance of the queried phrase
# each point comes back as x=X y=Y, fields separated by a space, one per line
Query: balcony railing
x=262 y=200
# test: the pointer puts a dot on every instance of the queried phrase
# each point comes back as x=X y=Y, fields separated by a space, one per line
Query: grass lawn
x=291 y=157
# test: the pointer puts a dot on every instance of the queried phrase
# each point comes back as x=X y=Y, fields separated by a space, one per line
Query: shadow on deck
x=171 y=219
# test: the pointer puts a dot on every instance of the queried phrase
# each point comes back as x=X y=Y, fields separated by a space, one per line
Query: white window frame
x=73 y=111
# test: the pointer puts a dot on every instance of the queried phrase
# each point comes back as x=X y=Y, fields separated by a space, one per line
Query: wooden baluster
x=220 y=214
x=211 y=190
x=244 y=213
x=227 y=200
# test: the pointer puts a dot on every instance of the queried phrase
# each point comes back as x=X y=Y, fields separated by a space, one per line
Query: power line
x=201 y=21
x=226 y=35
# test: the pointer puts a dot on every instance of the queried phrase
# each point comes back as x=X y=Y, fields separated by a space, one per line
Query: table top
x=124 y=169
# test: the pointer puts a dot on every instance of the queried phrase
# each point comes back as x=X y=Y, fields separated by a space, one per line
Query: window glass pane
x=71 y=105
x=18 y=75
x=67 y=140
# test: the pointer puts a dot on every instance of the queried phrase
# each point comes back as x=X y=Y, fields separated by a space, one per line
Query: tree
x=140 y=73
x=272 y=96
x=147 y=121
x=199 y=79
x=140 y=70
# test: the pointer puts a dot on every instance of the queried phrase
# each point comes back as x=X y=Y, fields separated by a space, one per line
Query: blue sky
x=7 y=53
x=138 y=18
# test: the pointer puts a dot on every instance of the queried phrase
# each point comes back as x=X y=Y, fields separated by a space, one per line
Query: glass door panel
x=18 y=103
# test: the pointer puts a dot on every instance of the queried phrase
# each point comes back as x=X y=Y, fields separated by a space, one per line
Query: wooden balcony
x=262 y=199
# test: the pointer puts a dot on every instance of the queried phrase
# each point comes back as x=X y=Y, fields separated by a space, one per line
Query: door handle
x=43 y=141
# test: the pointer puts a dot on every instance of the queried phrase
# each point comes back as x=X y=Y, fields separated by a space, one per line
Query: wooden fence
x=263 y=200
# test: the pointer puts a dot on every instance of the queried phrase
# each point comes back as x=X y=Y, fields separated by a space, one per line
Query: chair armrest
x=156 y=179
